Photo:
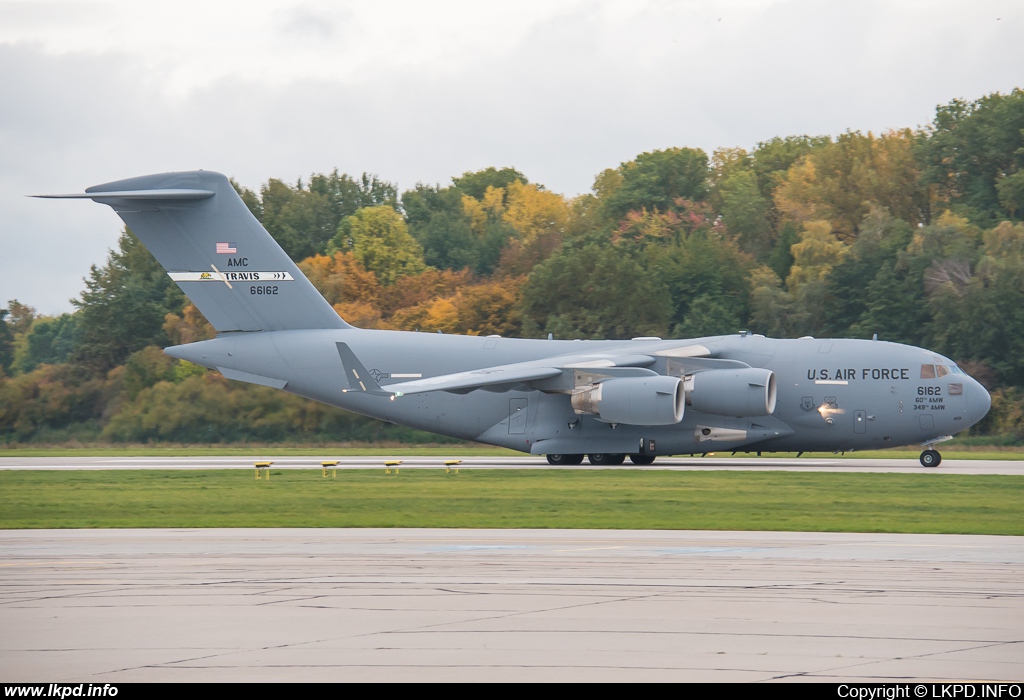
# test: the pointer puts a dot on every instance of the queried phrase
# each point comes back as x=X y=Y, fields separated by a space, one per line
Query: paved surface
x=948 y=466
x=507 y=605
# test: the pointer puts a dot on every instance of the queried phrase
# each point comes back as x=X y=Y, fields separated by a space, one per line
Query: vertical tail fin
x=225 y=262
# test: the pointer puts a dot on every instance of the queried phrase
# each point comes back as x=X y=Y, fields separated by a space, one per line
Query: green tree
x=772 y=158
x=801 y=307
x=6 y=343
x=884 y=281
x=815 y=255
x=895 y=305
x=708 y=315
x=781 y=258
x=51 y=340
x=123 y=306
x=347 y=195
x=978 y=313
x=655 y=180
x=380 y=240
x=1011 y=193
x=851 y=286
x=454 y=238
x=707 y=268
x=424 y=201
x=250 y=199
x=304 y=218
x=594 y=291
x=449 y=242
x=20 y=317
x=773 y=311
x=300 y=220
x=145 y=368
x=745 y=213
x=971 y=149
x=475 y=184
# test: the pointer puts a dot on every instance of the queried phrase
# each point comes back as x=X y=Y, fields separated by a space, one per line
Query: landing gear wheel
x=931 y=458
x=606 y=459
x=641 y=459
x=563 y=460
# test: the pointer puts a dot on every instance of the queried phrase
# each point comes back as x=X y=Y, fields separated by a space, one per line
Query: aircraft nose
x=978 y=401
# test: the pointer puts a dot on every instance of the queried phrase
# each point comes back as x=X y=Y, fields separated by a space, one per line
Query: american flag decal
x=226 y=248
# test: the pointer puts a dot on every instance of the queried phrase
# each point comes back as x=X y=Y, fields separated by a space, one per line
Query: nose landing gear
x=931 y=457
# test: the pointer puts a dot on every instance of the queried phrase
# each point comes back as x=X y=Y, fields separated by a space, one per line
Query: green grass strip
x=927 y=502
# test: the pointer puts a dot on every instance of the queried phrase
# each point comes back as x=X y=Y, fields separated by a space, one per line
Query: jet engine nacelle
x=653 y=400
x=732 y=392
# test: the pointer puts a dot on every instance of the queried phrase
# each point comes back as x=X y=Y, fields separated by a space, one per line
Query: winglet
x=358 y=376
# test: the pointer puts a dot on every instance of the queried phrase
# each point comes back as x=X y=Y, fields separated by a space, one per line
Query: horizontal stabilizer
x=133 y=194
x=252 y=378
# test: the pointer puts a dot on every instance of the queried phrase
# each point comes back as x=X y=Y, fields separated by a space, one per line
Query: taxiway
x=108 y=606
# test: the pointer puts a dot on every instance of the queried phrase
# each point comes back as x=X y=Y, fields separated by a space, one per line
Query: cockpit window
x=935 y=371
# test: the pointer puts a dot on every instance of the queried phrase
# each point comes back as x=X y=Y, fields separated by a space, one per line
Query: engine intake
x=654 y=400
x=732 y=392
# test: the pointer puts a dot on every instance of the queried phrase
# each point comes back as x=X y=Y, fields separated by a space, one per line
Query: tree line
x=913 y=235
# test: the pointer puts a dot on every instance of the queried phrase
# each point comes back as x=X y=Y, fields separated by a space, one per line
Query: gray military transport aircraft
x=608 y=399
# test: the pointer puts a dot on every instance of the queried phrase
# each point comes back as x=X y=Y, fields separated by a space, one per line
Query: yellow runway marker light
x=391 y=463
x=451 y=465
x=263 y=467
x=326 y=465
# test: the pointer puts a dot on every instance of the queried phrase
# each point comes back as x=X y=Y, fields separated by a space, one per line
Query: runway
x=108 y=606
x=950 y=464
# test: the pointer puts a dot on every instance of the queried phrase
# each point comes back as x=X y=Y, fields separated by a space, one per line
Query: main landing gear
x=564 y=460
x=599 y=459
x=931 y=458
x=606 y=460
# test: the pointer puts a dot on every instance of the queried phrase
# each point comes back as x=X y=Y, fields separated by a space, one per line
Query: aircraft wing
x=537 y=370
x=477 y=378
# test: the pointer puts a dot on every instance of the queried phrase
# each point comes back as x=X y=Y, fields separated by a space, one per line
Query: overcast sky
x=98 y=90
